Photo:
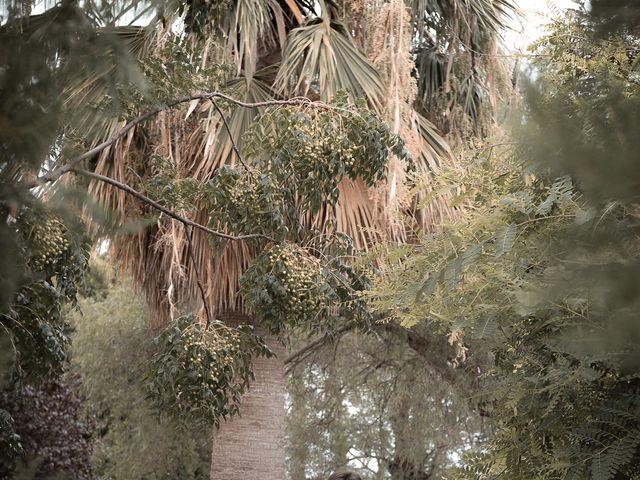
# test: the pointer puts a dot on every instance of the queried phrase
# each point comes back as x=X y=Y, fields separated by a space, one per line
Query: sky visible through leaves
x=531 y=24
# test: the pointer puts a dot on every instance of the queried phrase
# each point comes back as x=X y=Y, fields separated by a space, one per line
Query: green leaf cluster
x=295 y=288
x=200 y=374
x=313 y=149
x=55 y=259
x=50 y=252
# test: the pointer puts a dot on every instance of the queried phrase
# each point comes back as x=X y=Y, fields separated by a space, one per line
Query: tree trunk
x=250 y=446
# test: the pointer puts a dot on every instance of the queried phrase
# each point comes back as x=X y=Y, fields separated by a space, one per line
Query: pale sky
x=530 y=26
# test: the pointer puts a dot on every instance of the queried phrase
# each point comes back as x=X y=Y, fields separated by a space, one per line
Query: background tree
x=390 y=405
x=538 y=270
x=110 y=353
x=173 y=157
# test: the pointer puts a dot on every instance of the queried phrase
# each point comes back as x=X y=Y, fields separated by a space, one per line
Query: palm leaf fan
x=431 y=69
x=322 y=56
x=491 y=15
x=252 y=25
x=93 y=90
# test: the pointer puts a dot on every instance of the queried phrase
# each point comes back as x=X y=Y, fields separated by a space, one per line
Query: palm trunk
x=250 y=446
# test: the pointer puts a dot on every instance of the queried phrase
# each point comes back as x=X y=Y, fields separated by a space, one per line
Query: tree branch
x=292 y=360
x=189 y=234
x=233 y=142
x=186 y=221
x=56 y=173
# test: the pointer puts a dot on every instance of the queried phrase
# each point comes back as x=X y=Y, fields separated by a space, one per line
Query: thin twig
x=126 y=188
x=226 y=126
x=292 y=360
x=189 y=234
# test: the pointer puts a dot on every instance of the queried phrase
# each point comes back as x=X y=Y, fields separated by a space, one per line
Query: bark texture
x=251 y=446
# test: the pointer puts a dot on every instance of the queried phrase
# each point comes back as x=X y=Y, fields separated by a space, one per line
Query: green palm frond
x=115 y=62
x=490 y=15
x=434 y=147
x=73 y=66
x=472 y=96
x=431 y=66
x=321 y=56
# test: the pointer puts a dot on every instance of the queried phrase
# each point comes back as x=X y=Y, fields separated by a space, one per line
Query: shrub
x=112 y=352
x=53 y=428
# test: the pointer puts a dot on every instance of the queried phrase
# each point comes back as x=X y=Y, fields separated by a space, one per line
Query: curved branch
x=56 y=173
x=233 y=142
x=186 y=221
x=292 y=360
x=189 y=234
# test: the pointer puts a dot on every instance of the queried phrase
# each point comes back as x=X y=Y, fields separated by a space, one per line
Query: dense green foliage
x=131 y=440
x=44 y=246
x=285 y=286
x=543 y=270
x=311 y=150
x=54 y=259
x=34 y=334
x=296 y=158
x=201 y=373
x=291 y=290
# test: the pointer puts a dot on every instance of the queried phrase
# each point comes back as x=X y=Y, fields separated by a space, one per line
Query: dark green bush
x=51 y=428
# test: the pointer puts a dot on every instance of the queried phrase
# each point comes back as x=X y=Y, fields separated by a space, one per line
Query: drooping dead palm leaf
x=158 y=257
x=392 y=57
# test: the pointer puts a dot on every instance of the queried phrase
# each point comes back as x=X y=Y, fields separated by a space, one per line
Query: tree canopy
x=458 y=296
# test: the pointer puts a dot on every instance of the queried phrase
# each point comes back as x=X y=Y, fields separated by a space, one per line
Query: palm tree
x=423 y=66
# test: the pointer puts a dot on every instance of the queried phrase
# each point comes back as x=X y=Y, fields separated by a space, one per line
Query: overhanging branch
x=295 y=358
x=152 y=203
x=56 y=173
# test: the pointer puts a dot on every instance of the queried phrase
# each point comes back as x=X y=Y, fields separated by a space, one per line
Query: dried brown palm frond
x=158 y=257
x=392 y=57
